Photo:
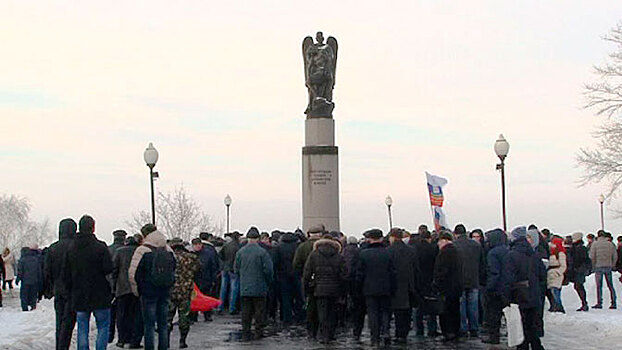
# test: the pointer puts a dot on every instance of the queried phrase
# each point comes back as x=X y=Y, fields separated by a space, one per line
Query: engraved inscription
x=321 y=177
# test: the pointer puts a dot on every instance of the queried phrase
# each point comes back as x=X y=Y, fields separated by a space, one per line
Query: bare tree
x=177 y=215
x=17 y=229
x=604 y=162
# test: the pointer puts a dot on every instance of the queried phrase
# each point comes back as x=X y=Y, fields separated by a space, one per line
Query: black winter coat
x=284 y=256
x=227 y=254
x=210 y=266
x=325 y=270
x=577 y=262
x=88 y=263
x=376 y=272
x=426 y=253
x=498 y=249
x=524 y=274
x=448 y=272
x=473 y=266
x=29 y=268
x=120 y=274
x=406 y=265
x=56 y=257
x=351 y=257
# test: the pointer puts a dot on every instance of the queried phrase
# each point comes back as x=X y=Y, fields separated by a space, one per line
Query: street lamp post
x=151 y=158
x=228 y=204
x=389 y=202
x=601 y=200
x=502 y=148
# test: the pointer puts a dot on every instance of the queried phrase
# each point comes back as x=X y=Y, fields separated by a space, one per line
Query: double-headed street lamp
x=151 y=158
x=502 y=148
x=227 y=204
x=601 y=200
x=389 y=202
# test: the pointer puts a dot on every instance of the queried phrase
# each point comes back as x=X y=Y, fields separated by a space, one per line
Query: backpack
x=162 y=268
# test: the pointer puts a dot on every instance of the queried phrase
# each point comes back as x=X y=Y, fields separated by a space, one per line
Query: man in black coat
x=30 y=275
x=578 y=268
x=289 y=284
x=88 y=264
x=53 y=270
x=495 y=291
x=356 y=300
x=473 y=271
x=325 y=270
x=406 y=294
x=118 y=242
x=426 y=254
x=229 y=281
x=377 y=277
x=523 y=273
x=448 y=282
x=129 y=317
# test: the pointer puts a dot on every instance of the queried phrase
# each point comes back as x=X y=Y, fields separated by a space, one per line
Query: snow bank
x=26 y=330
x=595 y=329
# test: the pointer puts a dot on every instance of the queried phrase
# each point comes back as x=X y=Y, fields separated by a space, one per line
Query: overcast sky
x=218 y=87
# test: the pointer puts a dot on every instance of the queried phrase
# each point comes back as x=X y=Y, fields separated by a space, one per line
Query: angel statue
x=320 y=62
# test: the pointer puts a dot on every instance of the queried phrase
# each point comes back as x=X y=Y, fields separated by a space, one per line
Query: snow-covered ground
x=26 y=330
x=596 y=329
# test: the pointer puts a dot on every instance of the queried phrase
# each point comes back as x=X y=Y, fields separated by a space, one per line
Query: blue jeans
x=598 y=274
x=102 y=319
x=557 y=296
x=155 y=309
x=469 y=310
x=229 y=285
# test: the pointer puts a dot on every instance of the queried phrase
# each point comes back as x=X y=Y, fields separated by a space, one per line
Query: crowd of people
x=459 y=280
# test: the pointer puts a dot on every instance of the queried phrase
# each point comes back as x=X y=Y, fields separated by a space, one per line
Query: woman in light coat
x=9 y=266
x=555 y=273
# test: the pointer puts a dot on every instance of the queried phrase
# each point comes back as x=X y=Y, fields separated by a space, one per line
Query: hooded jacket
x=88 y=263
x=325 y=269
x=138 y=282
x=498 y=249
x=56 y=257
x=524 y=274
x=29 y=269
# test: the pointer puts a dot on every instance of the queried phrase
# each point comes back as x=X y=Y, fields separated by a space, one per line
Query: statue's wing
x=306 y=43
x=332 y=42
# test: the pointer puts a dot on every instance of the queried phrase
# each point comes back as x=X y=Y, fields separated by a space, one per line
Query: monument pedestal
x=320 y=175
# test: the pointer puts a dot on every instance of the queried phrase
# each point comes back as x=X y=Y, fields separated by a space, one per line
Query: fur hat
x=374 y=233
x=253 y=233
x=577 y=236
x=353 y=240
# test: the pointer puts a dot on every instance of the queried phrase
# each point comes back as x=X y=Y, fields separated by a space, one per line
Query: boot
x=182 y=341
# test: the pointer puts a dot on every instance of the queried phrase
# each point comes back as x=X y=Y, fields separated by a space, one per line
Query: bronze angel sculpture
x=320 y=61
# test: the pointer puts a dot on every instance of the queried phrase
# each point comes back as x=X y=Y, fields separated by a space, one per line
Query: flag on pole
x=437 y=198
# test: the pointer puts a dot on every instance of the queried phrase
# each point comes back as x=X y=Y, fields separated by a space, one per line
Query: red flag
x=202 y=302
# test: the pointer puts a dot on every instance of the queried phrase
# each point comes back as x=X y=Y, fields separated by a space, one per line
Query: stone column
x=320 y=175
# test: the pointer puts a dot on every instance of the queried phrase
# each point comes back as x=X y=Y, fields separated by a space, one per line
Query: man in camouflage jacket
x=188 y=267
